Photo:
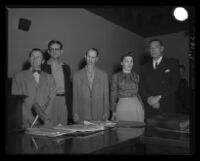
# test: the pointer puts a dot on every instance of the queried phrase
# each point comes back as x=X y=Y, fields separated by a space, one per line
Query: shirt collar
x=50 y=61
x=158 y=61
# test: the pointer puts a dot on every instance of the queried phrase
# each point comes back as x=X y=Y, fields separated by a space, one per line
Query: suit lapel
x=96 y=78
x=31 y=78
x=85 y=78
x=162 y=63
x=41 y=80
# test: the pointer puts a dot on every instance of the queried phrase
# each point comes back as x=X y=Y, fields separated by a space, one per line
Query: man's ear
x=48 y=51
x=62 y=51
x=162 y=48
x=121 y=63
x=97 y=58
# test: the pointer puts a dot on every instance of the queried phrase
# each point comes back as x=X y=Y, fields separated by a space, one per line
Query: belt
x=60 y=94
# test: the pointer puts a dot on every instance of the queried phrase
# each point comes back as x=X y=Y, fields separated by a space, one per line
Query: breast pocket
x=166 y=76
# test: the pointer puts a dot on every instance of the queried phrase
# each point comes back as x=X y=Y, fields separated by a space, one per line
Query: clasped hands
x=43 y=116
x=154 y=101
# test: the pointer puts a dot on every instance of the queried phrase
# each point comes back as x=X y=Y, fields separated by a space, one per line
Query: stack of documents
x=100 y=123
x=80 y=128
x=50 y=132
x=86 y=128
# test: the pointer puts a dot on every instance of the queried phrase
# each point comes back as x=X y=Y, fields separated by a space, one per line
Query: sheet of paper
x=100 y=123
x=79 y=128
x=50 y=132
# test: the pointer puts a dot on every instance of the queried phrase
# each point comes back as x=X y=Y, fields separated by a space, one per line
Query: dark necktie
x=36 y=71
x=156 y=65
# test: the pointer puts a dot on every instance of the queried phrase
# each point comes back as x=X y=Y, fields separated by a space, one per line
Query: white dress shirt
x=157 y=62
x=36 y=76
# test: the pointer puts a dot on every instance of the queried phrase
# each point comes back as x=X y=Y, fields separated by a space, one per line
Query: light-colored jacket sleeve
x=52 y=91
x=75 y=94
x=106 y=96
x=17 y=85
x=114 y=93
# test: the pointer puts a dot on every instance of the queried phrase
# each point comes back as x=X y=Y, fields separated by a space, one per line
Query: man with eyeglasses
x=61 y=73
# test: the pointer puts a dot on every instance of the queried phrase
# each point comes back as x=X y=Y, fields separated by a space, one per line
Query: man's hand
x=76 y=118
x=40 y=112
x=114 y=116
x=154 y=101
x=156 y=105
x=105 y=117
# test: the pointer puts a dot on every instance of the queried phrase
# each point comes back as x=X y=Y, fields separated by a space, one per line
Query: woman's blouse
x=123 y=85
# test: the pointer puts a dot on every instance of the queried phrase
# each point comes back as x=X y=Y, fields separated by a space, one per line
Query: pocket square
x=167 y=70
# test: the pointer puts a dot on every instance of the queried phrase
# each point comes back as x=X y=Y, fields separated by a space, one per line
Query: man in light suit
x=39 y=87
x=90 y=91
x=159 y=80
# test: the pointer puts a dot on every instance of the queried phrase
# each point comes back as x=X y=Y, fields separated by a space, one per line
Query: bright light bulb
x=180 y=14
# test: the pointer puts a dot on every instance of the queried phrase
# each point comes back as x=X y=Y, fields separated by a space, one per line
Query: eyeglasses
x=55 y=49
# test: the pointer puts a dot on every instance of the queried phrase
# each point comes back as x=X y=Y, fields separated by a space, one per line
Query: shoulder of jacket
x=79 y=72
x=20 y=73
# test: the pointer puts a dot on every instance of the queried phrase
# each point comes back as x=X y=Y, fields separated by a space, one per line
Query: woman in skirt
x=126 y=104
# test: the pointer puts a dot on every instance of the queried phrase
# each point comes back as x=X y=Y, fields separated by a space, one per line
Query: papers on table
x=80 y=128
x=50 y=132
x=75 y=130
x=100 y=123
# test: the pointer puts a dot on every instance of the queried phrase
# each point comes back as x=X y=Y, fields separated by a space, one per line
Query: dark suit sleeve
x=143 y=91
x=68 y=87
x=172 y=85
x=46 y=68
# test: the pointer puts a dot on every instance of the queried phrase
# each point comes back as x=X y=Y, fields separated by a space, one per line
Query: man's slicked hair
x=36 y=49
x=94 y=49
x=55 y=42
x=158 y=40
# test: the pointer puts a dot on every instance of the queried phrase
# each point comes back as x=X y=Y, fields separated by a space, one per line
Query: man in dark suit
x=159 y=80
x=62 y=76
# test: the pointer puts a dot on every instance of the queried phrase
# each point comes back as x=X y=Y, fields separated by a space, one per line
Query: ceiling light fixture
x=180 y=14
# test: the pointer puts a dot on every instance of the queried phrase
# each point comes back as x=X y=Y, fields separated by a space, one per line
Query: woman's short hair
x=126 y=55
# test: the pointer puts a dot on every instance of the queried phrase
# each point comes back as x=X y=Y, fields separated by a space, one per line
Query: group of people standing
x=131 y=96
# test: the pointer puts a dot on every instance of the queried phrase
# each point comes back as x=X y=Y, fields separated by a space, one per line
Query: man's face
x=91 y=57
x=55 y=51
x=182 y=71
x=127 y=63
x=156 y=49
x=36 y=59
